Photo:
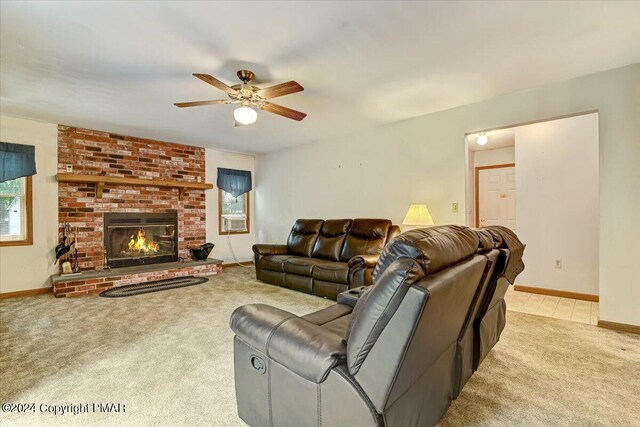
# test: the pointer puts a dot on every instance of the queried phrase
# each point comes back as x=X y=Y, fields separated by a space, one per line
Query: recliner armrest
x=351 y=297
x=262 y=249
x=307 y=349
x=363 y=261
x=255 y=322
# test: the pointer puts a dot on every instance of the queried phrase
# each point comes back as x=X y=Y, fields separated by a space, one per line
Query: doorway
x=491 y=175
x=541 y=180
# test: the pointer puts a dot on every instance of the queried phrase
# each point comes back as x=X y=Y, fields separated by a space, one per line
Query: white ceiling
x=119 y=67
x=499 y=138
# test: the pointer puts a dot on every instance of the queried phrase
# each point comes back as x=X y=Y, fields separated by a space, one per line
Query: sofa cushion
x=273 y=277
x=365 y=237
x=331 y=271
x=334 y=318
x=300 y=265
x=328 y=314
x=339 y=326
x=331 y=239
x=330 y=290
x=274 y=262
x=303 y=236
x=298 y=282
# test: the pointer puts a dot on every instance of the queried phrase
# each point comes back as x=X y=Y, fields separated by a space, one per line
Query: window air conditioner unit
x=234 y=223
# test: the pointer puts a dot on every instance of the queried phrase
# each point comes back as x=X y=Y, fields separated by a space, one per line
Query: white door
x=497 y=197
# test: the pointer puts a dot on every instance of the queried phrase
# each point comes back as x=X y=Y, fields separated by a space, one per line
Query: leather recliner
x=325 y=257
x=392 y=354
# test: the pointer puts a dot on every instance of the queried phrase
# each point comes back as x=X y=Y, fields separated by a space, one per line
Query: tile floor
x=556 y=307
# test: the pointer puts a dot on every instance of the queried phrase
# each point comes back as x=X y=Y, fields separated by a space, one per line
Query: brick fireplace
x=90 y=152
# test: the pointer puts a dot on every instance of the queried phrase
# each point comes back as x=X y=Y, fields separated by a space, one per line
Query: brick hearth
x=91 y=152
x=74 y=286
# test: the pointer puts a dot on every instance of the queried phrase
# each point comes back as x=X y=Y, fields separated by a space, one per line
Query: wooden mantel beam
x=100 y=181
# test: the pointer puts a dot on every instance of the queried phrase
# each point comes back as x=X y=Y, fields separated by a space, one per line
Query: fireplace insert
x=140 y=238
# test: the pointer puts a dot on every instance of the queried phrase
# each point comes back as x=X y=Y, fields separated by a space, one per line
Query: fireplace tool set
x=67 y=253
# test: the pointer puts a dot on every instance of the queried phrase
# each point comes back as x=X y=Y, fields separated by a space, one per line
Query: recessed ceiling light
x=482 y=139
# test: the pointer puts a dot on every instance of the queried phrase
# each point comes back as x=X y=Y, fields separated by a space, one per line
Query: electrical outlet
x=69 y=168
x=199 y=179
x=558 y=263
x=454 y=207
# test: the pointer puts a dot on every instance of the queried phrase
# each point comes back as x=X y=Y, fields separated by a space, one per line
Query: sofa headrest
x=303 y=236
x=365 y=237
x=434 y=248
x=331 y=239
x=370 y=229
x=307 y=226
x=335 y=227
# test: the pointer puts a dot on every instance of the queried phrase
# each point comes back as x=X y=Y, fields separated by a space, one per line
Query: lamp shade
x=418 y=215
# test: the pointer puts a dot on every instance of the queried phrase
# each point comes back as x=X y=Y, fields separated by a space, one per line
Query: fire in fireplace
x=140 y=243
x=140 y=238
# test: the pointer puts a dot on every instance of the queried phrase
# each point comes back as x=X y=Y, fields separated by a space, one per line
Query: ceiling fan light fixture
x=249 y=98
x=482 y=139
x=245 y=115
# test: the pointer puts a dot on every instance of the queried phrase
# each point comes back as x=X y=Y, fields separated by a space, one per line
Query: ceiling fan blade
x=215 y=83
x=280 y=90
x=284 y=111
x=198 y=103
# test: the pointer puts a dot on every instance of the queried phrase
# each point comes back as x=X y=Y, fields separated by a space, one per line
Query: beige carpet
x=168 y=357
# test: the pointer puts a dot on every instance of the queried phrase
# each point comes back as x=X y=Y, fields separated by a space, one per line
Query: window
x=233 y=213
x=16 y=224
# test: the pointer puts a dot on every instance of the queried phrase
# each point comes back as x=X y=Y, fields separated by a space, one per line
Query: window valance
x=16 y=161
x=234 y=181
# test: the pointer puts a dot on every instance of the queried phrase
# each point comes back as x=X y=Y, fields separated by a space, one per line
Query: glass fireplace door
x=137 y=239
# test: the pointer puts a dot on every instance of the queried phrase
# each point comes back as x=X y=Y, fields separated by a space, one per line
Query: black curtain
x=234 y=181
x=16 y=161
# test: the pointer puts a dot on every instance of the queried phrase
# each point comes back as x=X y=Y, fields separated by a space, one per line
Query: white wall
x=378 y=173
x=498 y=156
x=29 y=267
x=241 y=243
x=557 y=203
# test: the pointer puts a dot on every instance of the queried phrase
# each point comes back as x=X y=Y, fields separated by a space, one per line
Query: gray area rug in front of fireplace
x=152 y=286
x=168 y=357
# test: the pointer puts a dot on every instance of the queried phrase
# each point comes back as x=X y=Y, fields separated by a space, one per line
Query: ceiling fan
x=251 y=98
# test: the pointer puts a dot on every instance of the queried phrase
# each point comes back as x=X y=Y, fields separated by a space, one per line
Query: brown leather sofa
x=325 y=257
x=392 y=354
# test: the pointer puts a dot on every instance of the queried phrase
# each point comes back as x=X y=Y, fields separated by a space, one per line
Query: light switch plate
x=558 y=263
x=454 y=207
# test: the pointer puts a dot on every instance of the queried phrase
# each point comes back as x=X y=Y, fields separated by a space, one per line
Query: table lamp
x=418 y=215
